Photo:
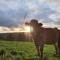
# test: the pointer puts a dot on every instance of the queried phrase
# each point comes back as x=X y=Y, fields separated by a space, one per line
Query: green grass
x=25 y=50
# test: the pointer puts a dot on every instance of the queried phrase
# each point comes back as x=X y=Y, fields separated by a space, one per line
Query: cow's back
x=51 y=35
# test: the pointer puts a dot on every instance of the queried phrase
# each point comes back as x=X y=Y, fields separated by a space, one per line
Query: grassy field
x=15 y=50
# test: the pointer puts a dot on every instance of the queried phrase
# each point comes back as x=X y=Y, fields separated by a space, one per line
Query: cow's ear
x=26 y=23
x=40 y=24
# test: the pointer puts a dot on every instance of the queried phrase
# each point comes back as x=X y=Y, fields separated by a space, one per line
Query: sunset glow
x=27 y=29
x=24 y=28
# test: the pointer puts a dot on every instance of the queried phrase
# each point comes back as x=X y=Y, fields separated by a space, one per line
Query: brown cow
x=43 y=35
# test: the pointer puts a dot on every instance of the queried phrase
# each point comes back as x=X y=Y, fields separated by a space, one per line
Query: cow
x=42 y=36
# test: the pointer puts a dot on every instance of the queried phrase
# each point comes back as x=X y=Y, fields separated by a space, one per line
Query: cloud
x=10 y=30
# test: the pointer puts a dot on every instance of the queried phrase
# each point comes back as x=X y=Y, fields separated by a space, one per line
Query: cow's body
x=49 y=35
x=43 y=36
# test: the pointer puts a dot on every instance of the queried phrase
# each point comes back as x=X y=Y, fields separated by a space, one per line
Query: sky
x=14 y=13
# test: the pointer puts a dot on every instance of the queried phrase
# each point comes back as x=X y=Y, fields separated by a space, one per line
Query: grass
x=24 y=50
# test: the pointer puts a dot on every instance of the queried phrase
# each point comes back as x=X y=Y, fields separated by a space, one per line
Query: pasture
x=16 y=50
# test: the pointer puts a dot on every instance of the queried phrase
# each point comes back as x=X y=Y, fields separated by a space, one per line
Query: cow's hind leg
x=58 y=48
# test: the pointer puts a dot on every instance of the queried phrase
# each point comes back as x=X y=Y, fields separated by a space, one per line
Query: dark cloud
x=7 y=22
x=12 y=18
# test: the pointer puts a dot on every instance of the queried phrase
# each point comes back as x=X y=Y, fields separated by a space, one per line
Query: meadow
x=17 y=50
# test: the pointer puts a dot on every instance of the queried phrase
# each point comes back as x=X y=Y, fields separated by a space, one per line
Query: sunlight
x=27 y=28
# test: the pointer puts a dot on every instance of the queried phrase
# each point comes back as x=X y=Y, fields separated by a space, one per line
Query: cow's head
x=34 y=24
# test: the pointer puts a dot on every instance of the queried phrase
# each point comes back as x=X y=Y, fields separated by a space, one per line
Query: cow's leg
x=55 y=45
x=38 y=50
x=41 y=51
x=58 y=47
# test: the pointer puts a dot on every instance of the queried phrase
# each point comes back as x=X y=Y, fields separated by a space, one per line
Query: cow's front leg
x=41 y=51
x=38 y=51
